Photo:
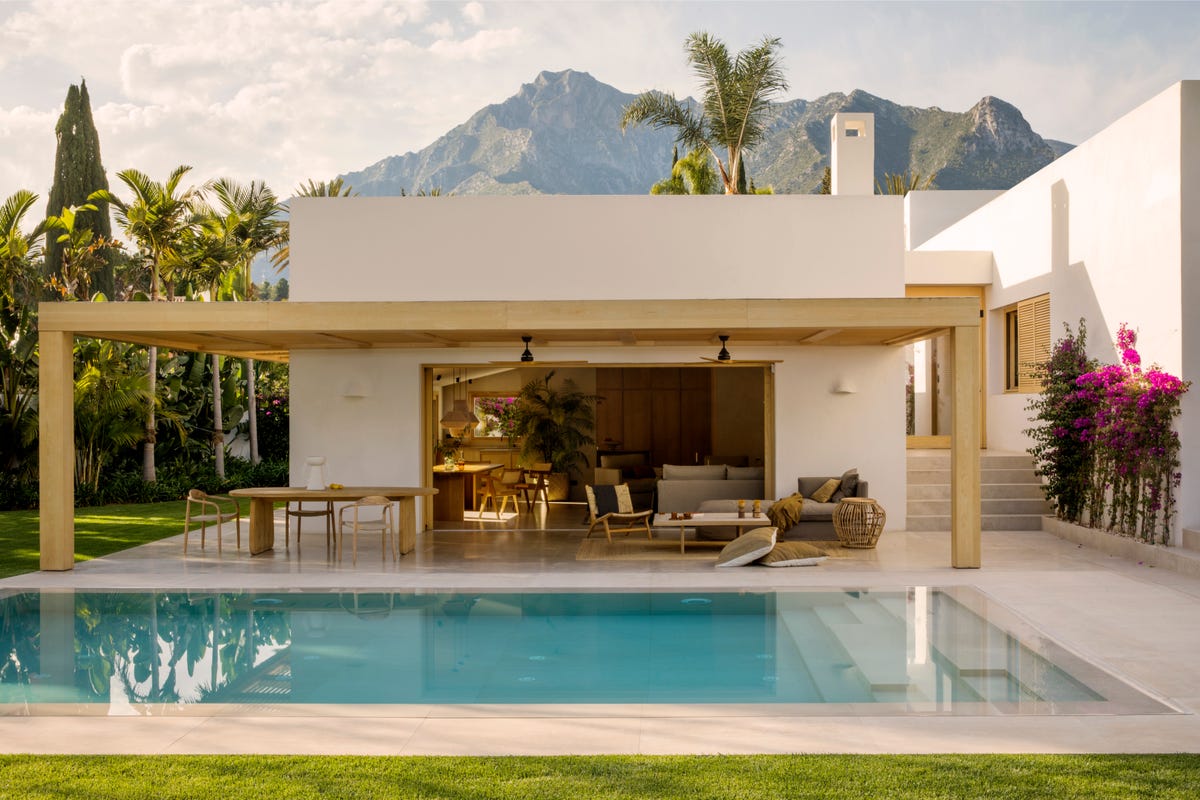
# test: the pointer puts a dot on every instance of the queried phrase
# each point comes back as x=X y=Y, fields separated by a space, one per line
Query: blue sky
x=286 y=91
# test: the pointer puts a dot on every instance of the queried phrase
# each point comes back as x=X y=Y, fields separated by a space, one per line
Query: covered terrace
x=272 y=331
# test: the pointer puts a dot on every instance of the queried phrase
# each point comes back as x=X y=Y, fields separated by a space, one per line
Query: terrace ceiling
x=269 y=331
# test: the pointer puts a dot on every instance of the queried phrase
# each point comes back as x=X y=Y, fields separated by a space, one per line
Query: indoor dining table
x=263 y=499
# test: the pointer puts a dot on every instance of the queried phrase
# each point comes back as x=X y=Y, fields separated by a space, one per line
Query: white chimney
x=852 y=153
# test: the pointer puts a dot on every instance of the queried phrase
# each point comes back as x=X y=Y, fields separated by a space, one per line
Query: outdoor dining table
x=263 y=499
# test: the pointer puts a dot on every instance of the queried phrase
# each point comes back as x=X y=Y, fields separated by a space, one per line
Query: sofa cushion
x=826 y=490
x=793 y=554
x=745 y=473
x=849 y=485
x=806 y=486
x=817 y=512
x=676 y=472
x=747 y=548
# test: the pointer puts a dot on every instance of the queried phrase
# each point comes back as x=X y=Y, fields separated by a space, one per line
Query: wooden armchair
x=611 y=508
x=217 y=509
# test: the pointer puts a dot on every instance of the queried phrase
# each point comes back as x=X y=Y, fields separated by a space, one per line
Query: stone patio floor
x=1140 y=622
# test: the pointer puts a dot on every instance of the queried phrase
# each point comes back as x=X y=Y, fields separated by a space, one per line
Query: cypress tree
x=77 y=173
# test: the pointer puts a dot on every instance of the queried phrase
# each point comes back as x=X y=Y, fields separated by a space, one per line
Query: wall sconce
x=356 y=388
x=527 y=356
x=843 y=386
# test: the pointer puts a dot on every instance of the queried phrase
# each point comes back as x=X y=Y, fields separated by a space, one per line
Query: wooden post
x=56 y=450
x=965 y=538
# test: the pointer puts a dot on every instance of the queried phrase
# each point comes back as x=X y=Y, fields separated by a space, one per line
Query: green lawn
x=98 y=531
x=588 y=778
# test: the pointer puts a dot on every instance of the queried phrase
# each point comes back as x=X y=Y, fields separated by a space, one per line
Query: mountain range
x=561 y=134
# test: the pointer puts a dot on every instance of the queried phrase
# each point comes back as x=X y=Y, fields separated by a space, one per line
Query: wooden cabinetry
x=666 y=410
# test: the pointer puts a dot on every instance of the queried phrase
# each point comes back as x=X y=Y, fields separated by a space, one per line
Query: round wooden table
x=858 y=522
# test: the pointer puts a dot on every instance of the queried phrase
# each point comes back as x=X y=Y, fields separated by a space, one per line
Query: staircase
x=1012 y=498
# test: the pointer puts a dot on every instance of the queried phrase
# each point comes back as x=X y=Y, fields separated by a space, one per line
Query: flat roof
x=269 y=330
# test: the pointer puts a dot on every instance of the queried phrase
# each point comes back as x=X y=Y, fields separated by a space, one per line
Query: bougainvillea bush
x=1108 y=447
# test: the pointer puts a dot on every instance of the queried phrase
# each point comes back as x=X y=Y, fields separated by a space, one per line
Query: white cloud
x=285 y=90
x=477 y=47
x=474 y=13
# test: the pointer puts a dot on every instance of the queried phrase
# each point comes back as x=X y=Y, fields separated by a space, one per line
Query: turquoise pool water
x=915 y=650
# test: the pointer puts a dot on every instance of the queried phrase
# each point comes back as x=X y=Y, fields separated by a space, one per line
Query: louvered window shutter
x=1033 y=341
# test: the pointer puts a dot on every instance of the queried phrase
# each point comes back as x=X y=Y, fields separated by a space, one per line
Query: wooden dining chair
x=363 y=518
x=535 y=484
x=500 y=490
x=300 y=512
x=210 y=508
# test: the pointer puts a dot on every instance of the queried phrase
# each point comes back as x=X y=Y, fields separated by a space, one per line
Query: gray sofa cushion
x=745 y=473
x=676 y=472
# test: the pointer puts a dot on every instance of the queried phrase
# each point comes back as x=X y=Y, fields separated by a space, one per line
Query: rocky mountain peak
x=560 y=134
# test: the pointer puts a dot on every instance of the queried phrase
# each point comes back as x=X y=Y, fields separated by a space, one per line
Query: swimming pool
x=917 y=650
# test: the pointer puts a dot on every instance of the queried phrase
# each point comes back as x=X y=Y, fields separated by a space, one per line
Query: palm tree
x=155 y=220
x=255 y=223
x=736 y=99
x=692 y=174
x=82 y=254
x=18 y=336
x=903 y=184
x=209 y=255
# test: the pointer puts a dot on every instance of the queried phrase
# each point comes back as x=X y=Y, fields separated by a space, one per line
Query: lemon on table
x=336 y=486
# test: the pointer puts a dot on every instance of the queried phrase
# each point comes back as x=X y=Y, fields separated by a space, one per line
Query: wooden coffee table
x=711 y=519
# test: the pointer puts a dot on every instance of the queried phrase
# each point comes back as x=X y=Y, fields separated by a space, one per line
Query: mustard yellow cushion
x=748 y=547
x=793 y=554
x=826 y=491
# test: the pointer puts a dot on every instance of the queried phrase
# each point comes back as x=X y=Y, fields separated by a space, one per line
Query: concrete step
x=1006 y=522
x=1191 y=540
x=986 y=461
x=941 y=491
x=1020 y=507
x=927 y=476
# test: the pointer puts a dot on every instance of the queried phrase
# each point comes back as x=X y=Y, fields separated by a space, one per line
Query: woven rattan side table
x=858 y=522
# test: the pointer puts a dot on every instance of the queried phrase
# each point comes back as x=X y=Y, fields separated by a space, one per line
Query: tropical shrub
x=1116 y=464
x=1061 y=452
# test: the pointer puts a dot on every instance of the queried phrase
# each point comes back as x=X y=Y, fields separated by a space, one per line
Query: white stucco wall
x=1101 y=230
x=596 y=247
x=376 y=439
x=927 y=213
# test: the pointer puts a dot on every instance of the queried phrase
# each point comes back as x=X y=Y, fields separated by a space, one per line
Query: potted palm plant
x=554 y=425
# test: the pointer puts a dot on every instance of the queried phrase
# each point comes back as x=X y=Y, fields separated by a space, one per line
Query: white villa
x=396 y=303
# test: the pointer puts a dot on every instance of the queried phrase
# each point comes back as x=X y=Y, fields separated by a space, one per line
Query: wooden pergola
x=270 y=331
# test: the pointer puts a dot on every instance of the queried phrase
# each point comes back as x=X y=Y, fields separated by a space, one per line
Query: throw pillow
x=826 y=491
x=785 y=514
x=849 y=487
x=606 y=500
x=747 y=548
x=793 y=554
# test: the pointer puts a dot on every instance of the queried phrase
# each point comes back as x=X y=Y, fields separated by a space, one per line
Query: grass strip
x=99 y=531
x=811 y=777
